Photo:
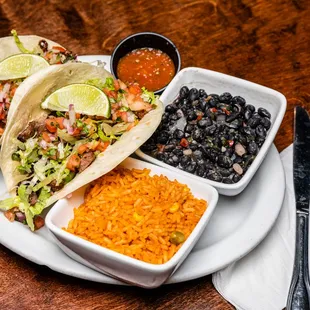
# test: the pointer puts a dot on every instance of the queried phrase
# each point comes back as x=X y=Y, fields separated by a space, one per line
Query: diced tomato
x=73 y=162
x=51 y=125
x=226 y=111
x=93 y=145
x=46 y=137
x=76 y=131
x=1 y=131
x=60 y=122
x=9 y=214
x=135 y=89
x=13 y=90
x=184 y=142
x=82 y=148
x=213 y=110
x=59 y=48
x=116 y=85
x=102 y=146
x=230 y=142
x=110 y=93
x=77 y=115
x=38 y=222
x=199 y=117
x=124 y=116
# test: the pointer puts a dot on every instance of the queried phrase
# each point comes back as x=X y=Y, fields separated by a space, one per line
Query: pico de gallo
x=53 y=54
x=52 y=152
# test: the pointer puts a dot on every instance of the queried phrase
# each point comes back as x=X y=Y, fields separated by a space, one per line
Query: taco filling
x=52 y=151
x=52 y=54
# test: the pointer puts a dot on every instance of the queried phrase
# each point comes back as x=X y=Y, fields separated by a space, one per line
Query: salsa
x=150 y=68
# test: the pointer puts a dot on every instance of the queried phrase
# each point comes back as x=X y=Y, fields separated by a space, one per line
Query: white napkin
x=261 y=280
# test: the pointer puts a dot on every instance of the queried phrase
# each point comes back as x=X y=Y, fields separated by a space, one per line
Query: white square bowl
x=217 y=83
x=117 y=265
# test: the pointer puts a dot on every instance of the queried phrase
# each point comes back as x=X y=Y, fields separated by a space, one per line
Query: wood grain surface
x=264 y=41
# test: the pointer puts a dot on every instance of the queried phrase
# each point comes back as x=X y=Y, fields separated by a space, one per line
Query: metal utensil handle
x=299 y=294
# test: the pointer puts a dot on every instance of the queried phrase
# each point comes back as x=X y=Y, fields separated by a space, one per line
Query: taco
x=32 y=52
x=48 y=153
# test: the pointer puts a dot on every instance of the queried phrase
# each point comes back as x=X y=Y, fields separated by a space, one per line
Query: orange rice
x=133 y=213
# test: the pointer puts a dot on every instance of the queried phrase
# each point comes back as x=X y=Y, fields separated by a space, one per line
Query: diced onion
x=71 y=114
x=6 y=87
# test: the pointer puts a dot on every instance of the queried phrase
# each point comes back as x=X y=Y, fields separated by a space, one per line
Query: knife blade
x=299 y=293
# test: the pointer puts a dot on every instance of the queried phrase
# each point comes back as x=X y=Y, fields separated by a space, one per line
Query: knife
x=299 y=293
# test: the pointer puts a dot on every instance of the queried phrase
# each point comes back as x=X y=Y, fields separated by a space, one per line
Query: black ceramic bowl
x=145 y=39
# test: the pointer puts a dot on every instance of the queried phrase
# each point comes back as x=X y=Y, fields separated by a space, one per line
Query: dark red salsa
x=150 y=68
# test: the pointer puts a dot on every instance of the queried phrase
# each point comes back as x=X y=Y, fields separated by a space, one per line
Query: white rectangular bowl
x=118 y=265
x=217 y=83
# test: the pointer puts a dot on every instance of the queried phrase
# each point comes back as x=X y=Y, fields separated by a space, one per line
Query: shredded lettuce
x=102 y=136
x=109 y=83
x=9 y=203
x=24 y=205
x=96 y=82
x=30 y=146
x=19 y=44
x=65 y=136
x=41 y=203
x=148 y=96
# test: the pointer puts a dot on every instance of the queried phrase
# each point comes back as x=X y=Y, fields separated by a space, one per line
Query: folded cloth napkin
x=261 y=280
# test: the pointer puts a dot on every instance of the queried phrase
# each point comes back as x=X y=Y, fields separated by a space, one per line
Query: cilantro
x=109 y=83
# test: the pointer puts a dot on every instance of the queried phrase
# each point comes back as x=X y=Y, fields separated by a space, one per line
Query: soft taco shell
x=28 y=99
x=9 y=47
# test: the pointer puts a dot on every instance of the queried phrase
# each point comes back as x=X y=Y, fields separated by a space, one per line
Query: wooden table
x=266 y=42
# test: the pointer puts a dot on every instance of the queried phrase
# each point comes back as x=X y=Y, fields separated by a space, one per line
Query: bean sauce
x=150 y=68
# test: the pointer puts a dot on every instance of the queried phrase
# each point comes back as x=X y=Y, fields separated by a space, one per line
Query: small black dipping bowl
x=146 y=39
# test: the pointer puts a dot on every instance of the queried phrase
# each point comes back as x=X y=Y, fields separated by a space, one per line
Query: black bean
x=232 y=117
x=214 y=176
x=193 y=146
x=173 y=117
x=161 y=156
x=197 y=154
x=178 y=134
x=200 y=170
x=235 y=124
x=263 y=112
x=171 y=162
x=187 y=135
x=225 y=97
x=165 y=117
x=261 y=131
x=189 y=128
x=252 y=148
x=43 y=45
x=254 y=121
x=229 y=152
x=200 y=161
x=185 y=160
x=202 y=93
x=248 y=131
x=238 y=160
x=209 y=131
x=175 y=158
x=170 y=108
x=220 y=118
x=224 y=172
x=148 y=147
x=169 y=148
x=191 y=115
x=163 y=137
x=228 y=181
x=238 y=100
x=184 y=92
x=236 y=178
x=259 y=141
x=265 y=122
x=197 y=134
x=247 y=114
x=224 y=161
x=213 y=102
x=178 y=152
x=217 y=141
x=250 y=108
x=191 y=167
x=204 y=122
x=193 y=94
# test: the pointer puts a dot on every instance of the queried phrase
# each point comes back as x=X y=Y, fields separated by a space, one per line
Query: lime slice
x=21 y=65
x=87 y=99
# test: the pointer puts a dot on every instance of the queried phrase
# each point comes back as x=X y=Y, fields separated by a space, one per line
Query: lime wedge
x=87 y=99
x=20 y=66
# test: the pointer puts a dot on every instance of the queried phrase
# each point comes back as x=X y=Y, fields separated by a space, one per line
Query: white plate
x=238 y=224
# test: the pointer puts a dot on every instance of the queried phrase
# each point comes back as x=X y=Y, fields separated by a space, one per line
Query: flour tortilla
x=29 y=96
x=8 y=47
